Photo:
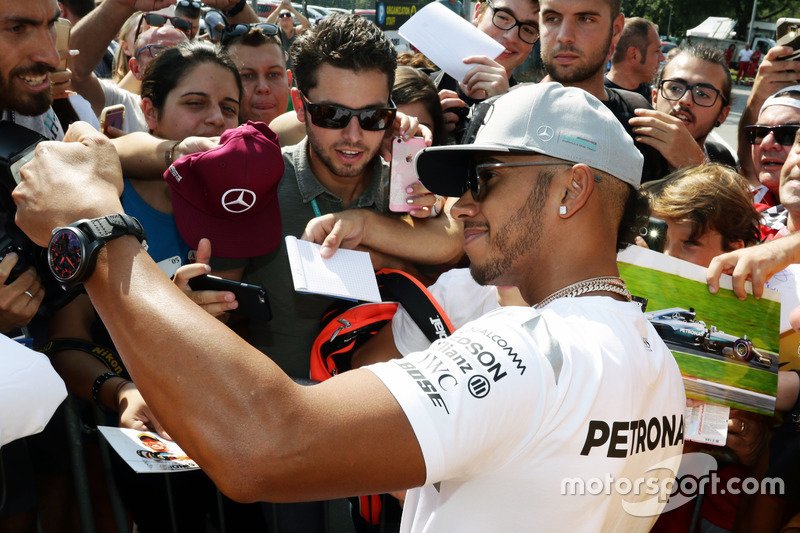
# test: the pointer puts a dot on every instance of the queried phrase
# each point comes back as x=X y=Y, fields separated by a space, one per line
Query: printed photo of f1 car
x=680 y=330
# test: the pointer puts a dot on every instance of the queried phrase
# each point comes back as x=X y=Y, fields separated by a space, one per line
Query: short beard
x=25 y=103
x=341 y=170
x=517 y=237
x=567 y=76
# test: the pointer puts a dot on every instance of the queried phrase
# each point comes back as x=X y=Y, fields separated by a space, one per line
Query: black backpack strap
x=416 y=299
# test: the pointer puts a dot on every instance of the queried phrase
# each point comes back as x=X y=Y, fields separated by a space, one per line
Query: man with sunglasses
x=487 y=424
x=691 y=98
x=512 y=23
x=284 y=16
x=776 y=73
x=345 y=72
x=770 y=141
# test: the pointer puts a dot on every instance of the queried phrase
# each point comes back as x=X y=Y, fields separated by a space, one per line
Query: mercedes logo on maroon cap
x=238 y=200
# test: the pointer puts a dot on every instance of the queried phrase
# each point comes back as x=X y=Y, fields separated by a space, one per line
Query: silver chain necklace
x=608 y=284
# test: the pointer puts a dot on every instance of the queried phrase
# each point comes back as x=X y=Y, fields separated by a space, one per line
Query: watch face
x=65 y=254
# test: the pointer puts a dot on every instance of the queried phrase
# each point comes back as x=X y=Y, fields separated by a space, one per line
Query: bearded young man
x=487 y=424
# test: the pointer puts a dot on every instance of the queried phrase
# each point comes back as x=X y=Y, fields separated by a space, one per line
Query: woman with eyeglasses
x=285 y=15
x=189 y=90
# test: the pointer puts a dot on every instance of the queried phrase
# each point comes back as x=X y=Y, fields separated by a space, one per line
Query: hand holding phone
x=403 y=173
x=112 y=116
x=63 y=28
x=788 y=34
x=252 y=299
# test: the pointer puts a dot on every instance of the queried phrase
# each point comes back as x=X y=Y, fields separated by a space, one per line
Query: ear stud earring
x=562 y=210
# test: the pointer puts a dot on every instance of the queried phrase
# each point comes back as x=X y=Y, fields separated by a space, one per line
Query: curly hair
x=709 y=197
x=343 y=41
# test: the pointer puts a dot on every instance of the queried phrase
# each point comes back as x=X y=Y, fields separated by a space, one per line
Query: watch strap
x=110 y=227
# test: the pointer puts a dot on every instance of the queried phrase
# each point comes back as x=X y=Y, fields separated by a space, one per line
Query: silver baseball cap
x=546 y=118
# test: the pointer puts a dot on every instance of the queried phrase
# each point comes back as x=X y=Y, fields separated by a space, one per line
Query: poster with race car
x=727 y=349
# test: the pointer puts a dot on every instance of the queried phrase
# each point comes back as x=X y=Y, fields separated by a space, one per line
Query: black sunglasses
x=336 y=117
x=156 y=21
x=478 y=174
x=784 y=135
x=284 y=15
x=189 y=3
x=219 y=29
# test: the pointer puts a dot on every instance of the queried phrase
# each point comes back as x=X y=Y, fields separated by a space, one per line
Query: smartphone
x=655 y=234
x=252 y=299
x=112 y=116
x=788 y=34
x=63 y=27
x=403 y=173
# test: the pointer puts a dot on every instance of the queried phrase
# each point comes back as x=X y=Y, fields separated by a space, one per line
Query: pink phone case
x=403 y=173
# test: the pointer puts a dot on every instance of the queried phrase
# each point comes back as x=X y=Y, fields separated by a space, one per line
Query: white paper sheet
x=447 y=39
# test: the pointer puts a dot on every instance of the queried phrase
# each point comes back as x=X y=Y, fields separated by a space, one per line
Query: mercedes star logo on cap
x=545 y=133
x=238 y=200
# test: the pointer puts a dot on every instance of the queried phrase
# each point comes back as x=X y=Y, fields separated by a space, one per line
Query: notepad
x=348 y=274
x=446 y=39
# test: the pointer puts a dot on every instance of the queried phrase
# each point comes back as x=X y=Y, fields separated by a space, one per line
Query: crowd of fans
x=328 y=176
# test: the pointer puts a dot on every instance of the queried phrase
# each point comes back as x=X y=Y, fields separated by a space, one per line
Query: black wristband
x=98 y=383
x=235 y=10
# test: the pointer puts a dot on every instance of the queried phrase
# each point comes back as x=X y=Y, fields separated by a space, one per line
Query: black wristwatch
x=72 y=251
x=235 y=10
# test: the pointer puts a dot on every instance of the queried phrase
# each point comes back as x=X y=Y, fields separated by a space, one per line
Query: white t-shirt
x=134 y=116
x=30 y=391
x=517 y=408
x=46 y=124
x=745 y=54
x=461 y=298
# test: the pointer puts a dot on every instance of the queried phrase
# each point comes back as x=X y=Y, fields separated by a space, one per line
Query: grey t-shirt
x=288 y=337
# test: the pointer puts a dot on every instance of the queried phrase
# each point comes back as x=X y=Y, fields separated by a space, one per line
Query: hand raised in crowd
x=215 y=303
x=194 y=145
x=134 y=412
x=450 y=101
x=85 y=171
x=774 y=74
x=20 y=299
x=404 y=126
x=61 y=83
x=668 y=135
x=488 y=78
x=426 y=204
x=756 y=264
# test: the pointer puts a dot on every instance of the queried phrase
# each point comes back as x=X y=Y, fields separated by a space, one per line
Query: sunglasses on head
x=219 y=29
x=336 y=117
x=156 y=21
x=784 y=135
x=189 y=4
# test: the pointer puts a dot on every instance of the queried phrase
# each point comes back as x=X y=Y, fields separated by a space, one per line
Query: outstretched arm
x=756 y=264
x=256 y=433
x=424 y=241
